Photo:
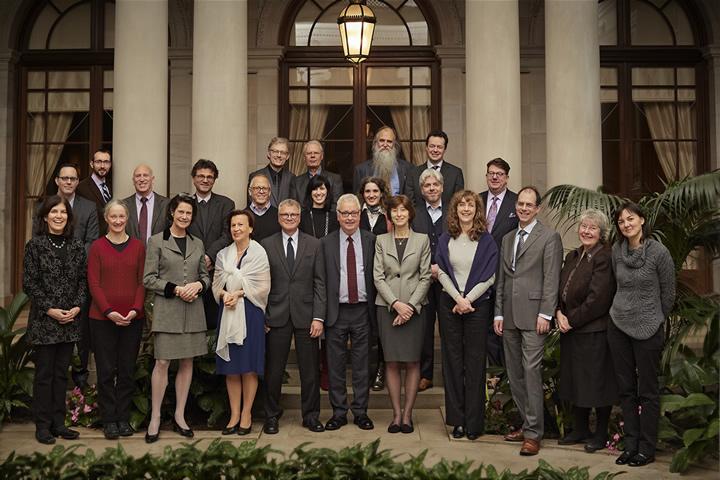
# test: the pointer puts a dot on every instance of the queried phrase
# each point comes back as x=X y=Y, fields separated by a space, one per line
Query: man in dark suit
x=349 y=254
x=435 y=147
x=431 y=219
x=148 y=209
x=276 y=170
x=500 y=214
x=314 y=154
x=296 y=308
x=96 y=187
x=525 y=301
x=385 y=163
x=209 y=224
x=266 y=216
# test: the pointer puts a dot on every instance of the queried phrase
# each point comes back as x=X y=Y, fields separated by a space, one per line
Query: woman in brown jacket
x=587 y=287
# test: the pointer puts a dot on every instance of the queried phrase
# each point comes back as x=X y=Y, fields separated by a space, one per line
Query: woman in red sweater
x=115 y=278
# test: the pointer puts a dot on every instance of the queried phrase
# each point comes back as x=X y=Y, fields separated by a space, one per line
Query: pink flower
x=87 y=409
x=621 y=423
x=74 y=418
x=616 y=437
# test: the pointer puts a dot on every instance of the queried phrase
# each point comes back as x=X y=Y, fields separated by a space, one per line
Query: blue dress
x=249 y=357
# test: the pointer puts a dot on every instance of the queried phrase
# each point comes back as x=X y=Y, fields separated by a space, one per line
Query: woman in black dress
x=318 y=220
x=373 y=193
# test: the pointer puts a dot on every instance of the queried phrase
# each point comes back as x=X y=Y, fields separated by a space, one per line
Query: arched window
x=652 y=90
x=325 y=97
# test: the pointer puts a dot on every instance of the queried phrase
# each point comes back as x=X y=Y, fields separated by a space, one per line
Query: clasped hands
x=404 y=313
x=563 y=322
x=189 y=292
x=64 y=316
x=122 y=321
x=230 y=299
x=462 y=306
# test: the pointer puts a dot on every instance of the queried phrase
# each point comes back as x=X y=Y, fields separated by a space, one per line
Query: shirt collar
x=98 y=181
x=149 y=196
x=430 y=207
x=259 y=210
x=528 y=228
x=198 y=197
x=500 y=196
x=294 y=236
x=432 y=165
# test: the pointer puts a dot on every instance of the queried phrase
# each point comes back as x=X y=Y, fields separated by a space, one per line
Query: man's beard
x=384 y=162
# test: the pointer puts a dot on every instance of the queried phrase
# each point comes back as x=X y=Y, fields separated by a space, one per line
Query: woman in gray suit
x=175 y=271
x=402 y=278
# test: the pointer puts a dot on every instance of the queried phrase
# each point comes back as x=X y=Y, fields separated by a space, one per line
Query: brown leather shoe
x=425 y=384
x=530 y=447
x=516 y=436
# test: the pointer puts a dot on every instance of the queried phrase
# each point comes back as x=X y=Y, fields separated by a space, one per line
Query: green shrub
x=16 y=377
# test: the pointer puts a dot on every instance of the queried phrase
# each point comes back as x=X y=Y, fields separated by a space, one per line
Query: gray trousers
x=523 y=361
x=352 y=323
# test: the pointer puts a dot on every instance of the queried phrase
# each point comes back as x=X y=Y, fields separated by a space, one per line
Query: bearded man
x=385 y=163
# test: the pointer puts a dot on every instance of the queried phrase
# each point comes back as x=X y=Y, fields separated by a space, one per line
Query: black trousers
x=84 y=345
x=116 y=350
x=495 y=349
x=353 y=324
x=277 y=348
x=463 y=357
x=50 y=384
x=427 y=357
x=637 y=364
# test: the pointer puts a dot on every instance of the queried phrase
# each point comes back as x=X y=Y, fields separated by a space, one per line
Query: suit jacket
x=366 y=169
x=506 y=220
x=279 y=194
x=380 y=225
x=532 y=288
x=331 y=251
x=590 y=291
x=407 y=281
x=165 y=268
x=90 y=191
x=453 y=181
x=298 y=188
x=159 y=220
x=210 y=225
x=297 y=296
x=424 y=224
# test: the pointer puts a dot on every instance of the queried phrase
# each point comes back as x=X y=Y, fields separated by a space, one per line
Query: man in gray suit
x=148 y=209
x=525 y=300
x=276 y=170
x=435 y=147
x=385 y=163
x=296 y=308
x=349 y=254
x=314 y=155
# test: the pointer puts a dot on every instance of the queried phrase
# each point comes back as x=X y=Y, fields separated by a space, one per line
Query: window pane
x=610 y=114
x=35 y=127
x=400 y=97
x=69 y=79
x=608 y=77
x=331 y=97
x=298 y=97
x=339 y=159
x=687 y=153
x=36 y=102
x=421 y=76
x=79 y=127
x=108 y=100
x=647 y=26
x=41 y=29
x=338 y=77
x=395 y=76
x=36 y=79
x=68 y=102
x=416 y=22
x=653 y=95
x=107 y=126
x=108 y=79
x=326 y=31
x=608 y=95
x=680 y=23
x=389 y=29
x=686 y=94
x=653 y=76
x=420 y=124
x=298 y=77
x=686 y=76
x=607 y=22
x=656 y=120
x=73 y=29
x=421 y=97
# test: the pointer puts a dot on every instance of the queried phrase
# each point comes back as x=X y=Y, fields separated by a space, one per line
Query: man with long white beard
x=385 y=163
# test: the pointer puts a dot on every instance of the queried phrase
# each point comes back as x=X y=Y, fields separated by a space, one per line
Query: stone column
x=219 y=91
x=492 y=86
x=140 y=100
x=572 y=91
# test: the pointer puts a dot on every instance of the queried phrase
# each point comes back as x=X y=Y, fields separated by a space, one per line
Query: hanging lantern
x=357 y=25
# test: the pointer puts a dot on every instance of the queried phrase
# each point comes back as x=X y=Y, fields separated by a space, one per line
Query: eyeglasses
x=495 y=174
x=279 y=152
x=526 y=205
x=352 y=214
x=260 y=189
x=289 y=216
x=68 y=179
x=209 y=178
x=102 y=162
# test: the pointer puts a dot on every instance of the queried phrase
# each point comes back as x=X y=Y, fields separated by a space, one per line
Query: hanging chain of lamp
x=357 y=25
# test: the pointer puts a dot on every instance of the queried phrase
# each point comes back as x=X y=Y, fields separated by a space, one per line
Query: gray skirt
x=402 y=343
x=172 y=346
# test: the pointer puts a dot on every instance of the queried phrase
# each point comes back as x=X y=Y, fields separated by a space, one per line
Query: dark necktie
x=436 y=167
x=105 y=192
x=143 y=220
x=351 y=273
x=290 y=255
x=521 y=242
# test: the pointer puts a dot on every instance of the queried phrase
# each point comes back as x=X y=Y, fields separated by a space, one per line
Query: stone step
x=430 y=398
x=294 y=375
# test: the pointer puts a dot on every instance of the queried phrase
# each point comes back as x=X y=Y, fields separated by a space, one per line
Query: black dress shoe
x=379 y=382
x=625 y=457
x=473 y=435
x=110 y=430
x=152 y=438
x=407 y=427
x=394 y=428
x=243 y=430
x=44 y=436
x=231 y=430
x=335 y=423
x=364 y=422
x=185 y=432
x=573 y=438
x=595 y=444
x=314 y=425
x=640 y=460
x=124 y=429
x=458 y=431
x=65 y=433
x=272 y=425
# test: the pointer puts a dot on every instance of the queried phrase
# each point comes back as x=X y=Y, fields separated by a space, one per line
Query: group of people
x=374 y=268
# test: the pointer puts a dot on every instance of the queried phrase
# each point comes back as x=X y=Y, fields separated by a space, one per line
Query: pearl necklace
x=62 y=244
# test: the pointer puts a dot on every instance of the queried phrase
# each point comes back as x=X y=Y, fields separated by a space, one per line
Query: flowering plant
x=82 y=407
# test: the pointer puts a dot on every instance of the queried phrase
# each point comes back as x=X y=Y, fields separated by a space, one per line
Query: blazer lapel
x=171 y=245
x=534 y=235
x=298 y=254
x=190 y=246
x=282 y=254
x=504 y=211
x=157 y=214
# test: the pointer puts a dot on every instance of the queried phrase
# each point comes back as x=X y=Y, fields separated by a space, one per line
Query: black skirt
x=587 y=376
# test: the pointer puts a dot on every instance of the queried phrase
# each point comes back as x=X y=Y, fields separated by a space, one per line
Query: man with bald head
x=314 y=154
x=147 y=208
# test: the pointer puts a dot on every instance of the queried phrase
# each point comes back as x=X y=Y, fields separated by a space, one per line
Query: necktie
x=105 y=192
x=492 y=214
x=436 y=167
x=351 y=273
x=521 y=242
x=143 y=220
x=290 y=255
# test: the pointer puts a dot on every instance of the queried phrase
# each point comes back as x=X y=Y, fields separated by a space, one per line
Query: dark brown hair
x=248 y=213
x=479 y=225
x=499 y=163
x=177 y=200
x=396 y=201
x=41 y=226
x=634 y=208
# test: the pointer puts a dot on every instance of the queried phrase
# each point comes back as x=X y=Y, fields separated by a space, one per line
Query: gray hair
x=348 y=198
x=597 y=216
x=278 y=140
x=431 y=172
x=260 y=175
x=313 y=142
x=291 y=203
x=115 y=203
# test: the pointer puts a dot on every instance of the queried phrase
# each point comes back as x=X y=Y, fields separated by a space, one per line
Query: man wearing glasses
x=266 y=215
x=276 y=171
x=501 y=219
x=96 y=187
x=296 y=308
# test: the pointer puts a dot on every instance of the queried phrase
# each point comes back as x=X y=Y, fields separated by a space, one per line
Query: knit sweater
x=645 y=288
x=115 y=278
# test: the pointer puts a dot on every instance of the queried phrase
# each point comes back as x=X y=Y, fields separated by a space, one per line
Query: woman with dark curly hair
x=55 y=280
x=373 y=193
x=318 y=220
x=467 y=258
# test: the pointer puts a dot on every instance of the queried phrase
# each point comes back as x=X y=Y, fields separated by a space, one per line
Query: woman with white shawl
x=241 y=287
